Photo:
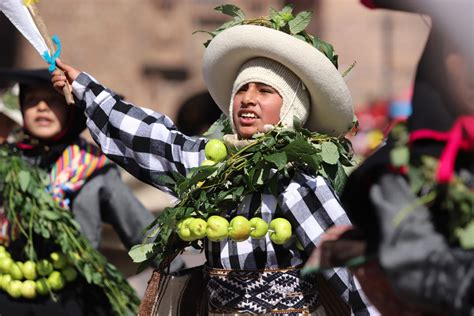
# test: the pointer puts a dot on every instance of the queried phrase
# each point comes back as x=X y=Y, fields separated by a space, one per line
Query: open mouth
x=247 y=117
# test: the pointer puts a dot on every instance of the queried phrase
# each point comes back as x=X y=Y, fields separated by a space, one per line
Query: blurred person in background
x=83 y=180
x=412 y=202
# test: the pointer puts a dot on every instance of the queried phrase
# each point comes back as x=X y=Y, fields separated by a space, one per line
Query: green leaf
x=44 y=232
x=287 y=9
x=51 y=215
x=141 y=252
x=297 y=147
x=87 y=272
x=24 y=178
x=329 y=153
x=278 y=22
x=399 y=156
x=466 y=236
x=326 y=48
x=313 y=161
x=96 y=278
x=237 y=193
x=278 y=159
x=300 y=22
x=340 y=179
x=416 y=179
x=231 y=10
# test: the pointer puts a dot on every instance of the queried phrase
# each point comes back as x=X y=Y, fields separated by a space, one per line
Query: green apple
x=208 y=162
x=6 y=281
x=29 y=270
x=5 y=264
x=3 y=249
x=217 y=228
x=56 y=281
x=14 y=288
x=15 y=272
x=198 y=228
x=58 y=259
x=183 y=229
x=239 y=228
x=28 y=289
x=215 y=150
x=258 y=227
x=42 y=286
x=69 y=273
x=4 y=254
x=44 y=267
x=280 y=230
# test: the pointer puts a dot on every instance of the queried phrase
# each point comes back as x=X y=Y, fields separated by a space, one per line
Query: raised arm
x=144 y=142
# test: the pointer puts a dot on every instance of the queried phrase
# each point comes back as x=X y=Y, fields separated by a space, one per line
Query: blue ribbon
x=51 y=60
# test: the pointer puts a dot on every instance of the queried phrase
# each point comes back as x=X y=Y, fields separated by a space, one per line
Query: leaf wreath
x=268 y=159
x=283 y=20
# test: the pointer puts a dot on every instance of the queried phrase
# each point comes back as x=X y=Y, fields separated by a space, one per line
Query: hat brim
x=25 y=76
x=331 y=103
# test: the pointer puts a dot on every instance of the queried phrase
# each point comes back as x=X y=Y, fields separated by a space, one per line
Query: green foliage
x=283 y=20
x=454 y=199
x=267 y=159
x=32 y=210
x=10 y=99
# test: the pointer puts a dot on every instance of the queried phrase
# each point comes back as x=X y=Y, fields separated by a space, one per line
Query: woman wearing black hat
x=82 y=180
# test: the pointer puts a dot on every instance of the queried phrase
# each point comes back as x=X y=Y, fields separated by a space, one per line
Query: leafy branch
x=262 y=164
x=455 y=199
x=33 y=212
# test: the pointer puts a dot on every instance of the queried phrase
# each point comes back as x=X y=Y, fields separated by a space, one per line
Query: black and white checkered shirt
x=147 y=144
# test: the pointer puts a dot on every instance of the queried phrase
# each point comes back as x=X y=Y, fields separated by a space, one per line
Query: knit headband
x=296 y=101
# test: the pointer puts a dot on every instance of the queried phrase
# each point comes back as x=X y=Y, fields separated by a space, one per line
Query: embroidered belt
x=276 y=291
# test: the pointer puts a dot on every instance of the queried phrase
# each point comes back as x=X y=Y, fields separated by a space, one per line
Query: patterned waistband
x=275 y=291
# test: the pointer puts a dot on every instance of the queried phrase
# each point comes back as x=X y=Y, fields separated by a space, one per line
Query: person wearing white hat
x=260 y=78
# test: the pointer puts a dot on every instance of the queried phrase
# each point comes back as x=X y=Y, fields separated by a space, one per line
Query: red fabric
x=369 y=4
x=461 y=136
x=25 y=146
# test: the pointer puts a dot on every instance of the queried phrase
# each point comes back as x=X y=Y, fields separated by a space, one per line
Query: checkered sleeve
x=311 y=206
x=144 y=142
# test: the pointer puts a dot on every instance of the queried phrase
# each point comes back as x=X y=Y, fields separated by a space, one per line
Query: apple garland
x=30 y=279
x=35 y=216
x=218 y=186
x=218 y=228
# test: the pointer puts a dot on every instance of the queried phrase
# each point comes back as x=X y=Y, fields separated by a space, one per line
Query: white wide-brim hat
x=331 y=103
